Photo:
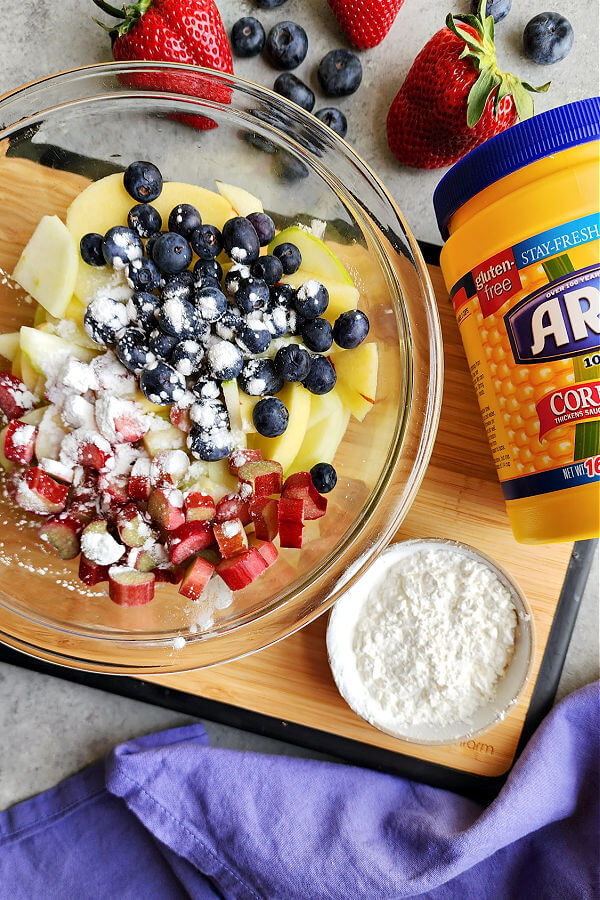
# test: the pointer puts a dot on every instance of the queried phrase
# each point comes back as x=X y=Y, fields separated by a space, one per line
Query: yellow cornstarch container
x=522 y=264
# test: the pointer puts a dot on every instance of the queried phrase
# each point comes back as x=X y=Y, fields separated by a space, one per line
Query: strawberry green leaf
x=479 y=94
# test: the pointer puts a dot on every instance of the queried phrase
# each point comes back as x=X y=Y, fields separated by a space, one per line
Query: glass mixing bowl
x=59 y=133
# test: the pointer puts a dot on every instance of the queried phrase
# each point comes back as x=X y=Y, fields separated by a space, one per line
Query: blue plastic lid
x=524 y=143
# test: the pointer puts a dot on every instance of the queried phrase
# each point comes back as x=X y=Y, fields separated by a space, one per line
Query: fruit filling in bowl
x=174 y=411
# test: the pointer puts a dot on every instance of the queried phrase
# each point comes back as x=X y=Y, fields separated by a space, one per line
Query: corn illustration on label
x=529 y=318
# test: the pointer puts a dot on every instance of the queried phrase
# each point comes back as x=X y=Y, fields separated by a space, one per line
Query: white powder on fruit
x=101 y=548
x=23 y=435
x=230 y=528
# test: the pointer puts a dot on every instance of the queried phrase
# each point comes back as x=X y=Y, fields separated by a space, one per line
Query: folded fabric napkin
x=169 y=817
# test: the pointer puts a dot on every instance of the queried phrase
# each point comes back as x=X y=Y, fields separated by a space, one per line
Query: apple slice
x=285 y=447
x=9 y=344
x=62 y=534
x=163 y=436
x=51 y=433
x=240 y=571
x=45 y=350
x=196 y=577
x=128 y=587
x=357 y=371
x=188 y=539
x=230 y=537
x=231 y=394
x=242 y=201
x=47 y=267
x=317 y=258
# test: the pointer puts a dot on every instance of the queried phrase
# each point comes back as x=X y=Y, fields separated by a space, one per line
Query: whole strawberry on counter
x=455 y=96
x=365 y=22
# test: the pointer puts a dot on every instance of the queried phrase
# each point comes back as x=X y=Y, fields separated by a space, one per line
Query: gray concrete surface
x=50 y=728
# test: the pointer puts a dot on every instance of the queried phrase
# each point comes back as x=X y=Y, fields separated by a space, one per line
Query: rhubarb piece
x=37 y=492
x=19 y=442
x=90 y=572
x=232 y=506
x=130 y=426
x=147 y=558
x=188 y=539
x=290 y=534
x=128 y=587
x=231 y=538
x=290 y=514
x=199 y=507
x=133 y=530
x=114 y=487
x=267 y=550
x=180 y=417
x=240 y=571
x=265 y=517
x=166 y=508
x=139 y=486
x=168 y=574
x=85 y=448
x=300 y=486
x=264 y=476
x=168 y=468
x=196 y=577
x=57 y=470
x=62 y=533
x=239 y=458
x=15 y=398
x=99 y=546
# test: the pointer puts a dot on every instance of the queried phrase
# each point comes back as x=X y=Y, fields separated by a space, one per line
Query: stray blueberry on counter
x=259 y=377
x=144 y=219
x=324 y=477
x=322 y=378
x=288 y=167
x=270 y=417
x=207 y=241
x=317 y=334
x=171 y=253
x=247 y=37
x=209 y=446
x=143 y=274
x=292 y=362
x=287 y=45
x=233 y=278
x=90 y=248
x=211 y=303
x=225 y=360
x=267 y=268
x=180 y=286
x=133 y=351
x=183 y=219
x=289 y=256
x=142 y=307
x=547 y=38
x=207 y=268
x=161 y=344
x=339 y=73
x=287 y=85
x=253 y=338
x=160 y=383
x=334 y=119
x=240 y=240
x=187 y=357
x=121 y=246
x=178 y=318
x=142 y=181
x=252 y=294
x=312 y=299
x=264 y=227
x=283 y=294
x=497 y=9
x=105 y=319
x=350 y=329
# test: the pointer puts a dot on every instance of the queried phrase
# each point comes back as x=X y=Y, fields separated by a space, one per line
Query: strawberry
x=180 y=31
x=454 y=96
x=365 y=22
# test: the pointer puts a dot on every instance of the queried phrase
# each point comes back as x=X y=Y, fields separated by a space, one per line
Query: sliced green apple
x=242 y=201
x=317 y=258
x=163 y=437
x=285 y=447
x=44 y=350
x=231 y=393
x=47 y=267
x=51 y=432
x=327 y=425
x=358 y=368
x=154 y=409
x=9 y=344
x=219 y=474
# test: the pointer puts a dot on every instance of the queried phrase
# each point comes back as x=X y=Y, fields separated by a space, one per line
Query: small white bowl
x=340 y=633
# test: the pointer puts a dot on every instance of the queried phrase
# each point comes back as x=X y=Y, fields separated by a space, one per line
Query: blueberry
x=133 y=351
x=104 y=320
x=287 y=45
x=321 y=378
x=207 y=268
x=283 y=294
x=187 y=357
x=295 y=322
x=234 y=276
x=171 y=253
x=209 y=446
x=180 y=286
x=143 y=274
x=121 y=246
x=150 y=244
x=207 y=241
x=289 y=256
x=209 y=413
x=225 y=361
x=350 y=329
x=295 y=90
x=210 y=303
x=162 y=384
x=269 y=4
x=144 y=219
x=324 y=477
x=183 y=219
x=292 y=362
x=206 y=388
x=498 y=9
x=178 y=318
x=547 y=38
x=252 y=294
x=334 y=119
x=90 y=248
x=276 y=320
x=142 y=307
x=240 y=240
x=142 y=181
x=312 y=299
x=161 y=344
x=267 y=268
x=253 y=338
x=317 y=334
x=288 y=167
x=264 y=227
x=259 y=377
x=228 y=325
x=247 y=37
x=270 y=417
x=339 y=73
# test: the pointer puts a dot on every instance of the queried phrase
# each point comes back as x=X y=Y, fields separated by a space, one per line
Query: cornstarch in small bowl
x=433 y=644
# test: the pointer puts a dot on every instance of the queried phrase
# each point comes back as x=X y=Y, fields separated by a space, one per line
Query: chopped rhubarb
x=239 y=458
x=232 y=506
x=90 y=572
x=168 y=468
x=300 y=486
x=148 y=558
x=89 y=453
x=39 y=493
x=128 y=587
x=240 y=571
x=57 y=470
x=139 y=486
x=166 y=508
x=199 y=507
x=62 y=534
x=264 y=476
x=130 y=426
x=196 y=577
x=98 y=545
x=115 y=487
x=180 y=417
x=19 y=442
x=15 y=398
x=290 y=534
x=188 y=539
x=231 y=538
x=133 y=530
x=265 y=517
x=168 y=574
x=290 y=513
x=267 y=550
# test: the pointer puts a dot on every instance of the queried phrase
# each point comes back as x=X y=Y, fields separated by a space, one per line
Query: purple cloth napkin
x=169 y=817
